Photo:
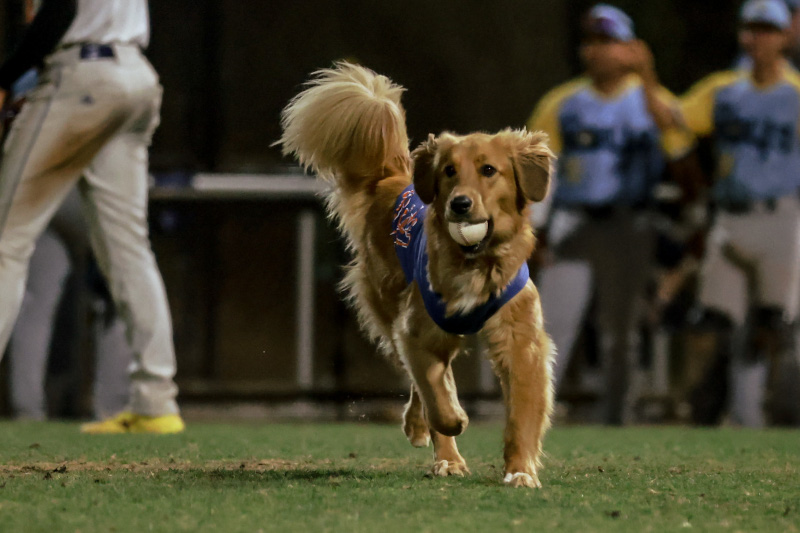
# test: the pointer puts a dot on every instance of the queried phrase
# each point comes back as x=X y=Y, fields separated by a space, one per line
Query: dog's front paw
x=521 y=479
x=449 y=468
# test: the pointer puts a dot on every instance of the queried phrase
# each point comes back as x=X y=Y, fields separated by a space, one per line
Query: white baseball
x=467 y=234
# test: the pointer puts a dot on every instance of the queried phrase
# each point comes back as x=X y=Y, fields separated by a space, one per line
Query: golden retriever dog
x=348 y=127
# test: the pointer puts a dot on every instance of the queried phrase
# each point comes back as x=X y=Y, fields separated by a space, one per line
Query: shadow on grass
x=317 y=476
x=310 y=475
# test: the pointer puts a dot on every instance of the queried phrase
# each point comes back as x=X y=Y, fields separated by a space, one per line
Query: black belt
x=745 y=207
x=94 y=51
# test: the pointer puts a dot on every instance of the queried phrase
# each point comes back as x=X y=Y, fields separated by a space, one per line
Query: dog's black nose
x=461 y=205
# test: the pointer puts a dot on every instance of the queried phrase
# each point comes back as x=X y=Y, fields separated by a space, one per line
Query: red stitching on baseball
x=463 y=239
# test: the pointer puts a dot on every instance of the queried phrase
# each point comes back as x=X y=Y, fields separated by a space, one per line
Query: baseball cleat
x=127 y=422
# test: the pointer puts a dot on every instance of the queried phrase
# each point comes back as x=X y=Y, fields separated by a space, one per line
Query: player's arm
x=40 y=39
x=678 y=137
x=659 y=103
x=694 y=111
x=680 y=121
x=679 y=143
x=677 y=140
x=697 y=110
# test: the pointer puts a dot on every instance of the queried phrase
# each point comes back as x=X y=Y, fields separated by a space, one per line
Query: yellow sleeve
x=545 y=116
x=793 y=77
x=697 y=105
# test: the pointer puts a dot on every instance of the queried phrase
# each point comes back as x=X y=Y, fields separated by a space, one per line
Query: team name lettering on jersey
x=580 y=136
x=406 y=216
x=756 y=137
x=765 y=134
x=610 y=149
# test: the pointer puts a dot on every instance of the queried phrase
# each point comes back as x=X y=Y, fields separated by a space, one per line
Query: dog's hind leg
x=522 y=352
x=414 y=424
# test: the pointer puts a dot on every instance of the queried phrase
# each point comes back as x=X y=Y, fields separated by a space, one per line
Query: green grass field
x=349 y=477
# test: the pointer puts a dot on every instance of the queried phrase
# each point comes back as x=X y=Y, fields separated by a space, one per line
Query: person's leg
x=720 y=372
x=775 y=327
x=30 y=342
x=68 y=361
x=115 y=194
x=85 y=288
x=771 y=348
x=113 y=357
x=565 y=289
x=729 y=380
x=621 y=254
x=42 y=159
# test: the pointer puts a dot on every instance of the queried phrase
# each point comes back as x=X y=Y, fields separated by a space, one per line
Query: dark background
x=229 y=66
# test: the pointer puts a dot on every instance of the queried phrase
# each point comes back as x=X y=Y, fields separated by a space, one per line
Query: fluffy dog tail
x=347 y=126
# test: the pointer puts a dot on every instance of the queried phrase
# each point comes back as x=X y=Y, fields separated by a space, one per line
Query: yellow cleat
x=157 y=424
x=127 y=422
x=116 y=424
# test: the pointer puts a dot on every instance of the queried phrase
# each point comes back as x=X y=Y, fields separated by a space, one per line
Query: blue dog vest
x=410 y=243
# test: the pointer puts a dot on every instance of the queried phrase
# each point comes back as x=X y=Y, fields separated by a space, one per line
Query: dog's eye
x=488 y=171
x=450 y=171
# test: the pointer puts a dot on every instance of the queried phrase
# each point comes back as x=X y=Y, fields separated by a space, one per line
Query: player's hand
x=640 y=60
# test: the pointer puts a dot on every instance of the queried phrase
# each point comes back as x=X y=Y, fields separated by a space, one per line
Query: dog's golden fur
x=348 y=126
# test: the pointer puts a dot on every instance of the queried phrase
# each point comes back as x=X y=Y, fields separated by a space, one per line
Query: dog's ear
x=424 y=172
x=533 y=162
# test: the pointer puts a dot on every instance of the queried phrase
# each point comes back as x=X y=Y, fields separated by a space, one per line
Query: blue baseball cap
x=609 y=21
x=771 y=12
x=792 y=4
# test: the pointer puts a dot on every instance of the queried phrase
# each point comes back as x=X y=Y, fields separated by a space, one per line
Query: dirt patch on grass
x=165 y=465
x=155 y=465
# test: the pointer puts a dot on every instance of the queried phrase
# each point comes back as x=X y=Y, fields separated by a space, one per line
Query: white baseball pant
x=768 y=238
x=90 y=123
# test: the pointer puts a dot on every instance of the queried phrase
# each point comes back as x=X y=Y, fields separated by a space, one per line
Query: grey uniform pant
x=768 y=238
x=57 y=261
x=89 y=123
x=611 y=256
x=55 y=290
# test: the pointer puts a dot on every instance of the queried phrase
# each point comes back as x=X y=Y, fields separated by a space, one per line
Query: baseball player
x=611 y=154
x=88 y=124
x=750 y=276
x=793 y=33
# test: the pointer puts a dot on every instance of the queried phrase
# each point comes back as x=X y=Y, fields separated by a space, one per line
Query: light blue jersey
x=609 y=148
x=754 y=130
